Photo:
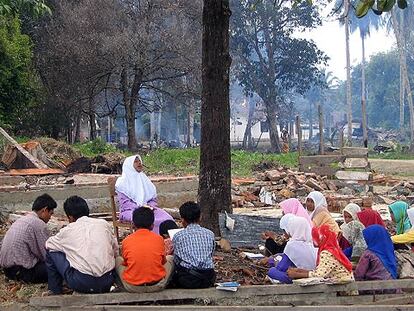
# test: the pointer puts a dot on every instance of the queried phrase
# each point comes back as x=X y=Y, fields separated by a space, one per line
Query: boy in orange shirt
x=144 y=267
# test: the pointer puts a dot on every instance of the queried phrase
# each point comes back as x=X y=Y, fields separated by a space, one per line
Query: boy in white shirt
x=83 y=253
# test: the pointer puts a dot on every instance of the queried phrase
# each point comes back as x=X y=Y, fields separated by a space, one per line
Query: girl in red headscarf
x=331 y=262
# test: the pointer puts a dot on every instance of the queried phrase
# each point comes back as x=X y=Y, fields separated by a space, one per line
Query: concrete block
x=350 y=175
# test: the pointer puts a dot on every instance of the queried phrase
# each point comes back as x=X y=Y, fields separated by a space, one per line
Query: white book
x=173 y=232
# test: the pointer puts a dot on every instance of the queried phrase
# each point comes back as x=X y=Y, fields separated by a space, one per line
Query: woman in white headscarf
x=135 y=190
x=299 y=251
x=318 y=207
x=352 y=231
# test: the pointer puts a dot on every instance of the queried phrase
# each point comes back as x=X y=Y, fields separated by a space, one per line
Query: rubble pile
x=274 y=186
x=232 y=266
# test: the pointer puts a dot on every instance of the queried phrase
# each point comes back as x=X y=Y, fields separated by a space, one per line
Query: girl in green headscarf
x=399 y=215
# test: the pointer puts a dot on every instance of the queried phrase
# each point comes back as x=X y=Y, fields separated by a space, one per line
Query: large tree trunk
x=363 y=96
x=214 y=191
x=402 y=88
x=190 y=123
x=78 y=120
x=403 y=62
x=271 y=116
x=130 y=99
x=310 y=121
x=92 y=121
x=348 y=72
x=247 y=138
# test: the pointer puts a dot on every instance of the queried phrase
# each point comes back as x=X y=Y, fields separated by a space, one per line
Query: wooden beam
x=23 y=151
x=244 y=292
x=246 y=308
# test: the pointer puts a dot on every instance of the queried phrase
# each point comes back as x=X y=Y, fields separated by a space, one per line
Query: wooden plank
x=350 y=175
x=32 y=159
x=320 y=170
x=244 y=308
x=244 y=292
x=34 y=171
x=356 y=163
x=355 y=151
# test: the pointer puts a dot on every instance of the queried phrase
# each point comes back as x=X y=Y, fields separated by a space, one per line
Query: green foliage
x=186 y=161
x=34 y=8
x=94 y=148
x=18 y=83
x=377 y=6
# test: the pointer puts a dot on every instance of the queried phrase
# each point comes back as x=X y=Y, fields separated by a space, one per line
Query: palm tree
x=364 y=25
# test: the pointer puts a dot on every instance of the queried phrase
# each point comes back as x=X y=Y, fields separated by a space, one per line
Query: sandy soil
x=393 y=167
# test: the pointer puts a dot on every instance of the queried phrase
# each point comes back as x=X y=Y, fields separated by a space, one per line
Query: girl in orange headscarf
x=331 y=262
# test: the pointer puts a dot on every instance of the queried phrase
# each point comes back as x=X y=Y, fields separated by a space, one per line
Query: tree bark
x=130 y=99
x=310 y=121
x=271 y=116
x=247 y=138
x=399 y=35
x=363 y=96
x=214 y=191
x=190 y=123
x=402 y=88
x=348 y=72
x=92 y=121
x=78 y=120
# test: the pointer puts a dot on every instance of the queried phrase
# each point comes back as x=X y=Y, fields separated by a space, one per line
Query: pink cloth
x=127 y=207
x=293 y=206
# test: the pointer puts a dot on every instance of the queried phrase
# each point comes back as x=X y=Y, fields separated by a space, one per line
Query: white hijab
x=299 y=248
x=352 y=209
x=410 y=213
x=136 y=186
x=319 y=200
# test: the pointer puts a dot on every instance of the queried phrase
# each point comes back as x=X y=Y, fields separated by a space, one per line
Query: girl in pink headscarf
x=293 y=206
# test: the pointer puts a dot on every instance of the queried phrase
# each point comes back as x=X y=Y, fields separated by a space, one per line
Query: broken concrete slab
x=351 y=175
x=356 y=163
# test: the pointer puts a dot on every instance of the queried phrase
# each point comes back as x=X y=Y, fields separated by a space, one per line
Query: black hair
x=76 y=207
x=43 y=201
x=167 y=225
x=190 y=212
x=143 y=218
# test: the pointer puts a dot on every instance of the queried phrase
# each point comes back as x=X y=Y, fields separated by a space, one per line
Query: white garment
x=284 y=221
x=410 y=213
x=136 y=186
x=89 y=245
x=299 y=248
x=352 y=209
x=319 y=200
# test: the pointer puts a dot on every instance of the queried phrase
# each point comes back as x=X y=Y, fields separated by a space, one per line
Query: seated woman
x=317 y=205
x=352 y=231
x=299 y=251
x=407 y=237
x=398 y=212
x=135 y=190
x=331 y=261
x=293 y=206
x=378 y=261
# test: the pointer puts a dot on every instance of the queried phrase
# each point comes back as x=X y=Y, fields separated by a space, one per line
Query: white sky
x=330 y=38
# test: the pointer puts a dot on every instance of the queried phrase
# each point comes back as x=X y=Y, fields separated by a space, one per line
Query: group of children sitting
x=360 y=249
x=84 y=256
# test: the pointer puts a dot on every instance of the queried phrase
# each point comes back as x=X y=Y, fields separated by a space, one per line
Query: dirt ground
x=403 y=168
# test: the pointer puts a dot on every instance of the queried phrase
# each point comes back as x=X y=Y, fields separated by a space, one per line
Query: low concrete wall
x=172 y=192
